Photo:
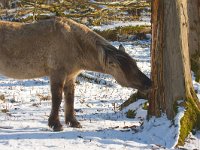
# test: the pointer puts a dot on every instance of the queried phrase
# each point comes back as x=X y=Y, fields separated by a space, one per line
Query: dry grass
x=2 y=97
x=44 y=97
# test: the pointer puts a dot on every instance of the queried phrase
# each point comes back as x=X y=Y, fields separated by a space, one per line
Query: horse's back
x=33 y=50
x=25 y=48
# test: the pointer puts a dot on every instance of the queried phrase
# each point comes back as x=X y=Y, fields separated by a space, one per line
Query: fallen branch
x=92 y=79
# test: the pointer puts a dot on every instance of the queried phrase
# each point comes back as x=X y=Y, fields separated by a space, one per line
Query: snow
x=31 y=15
x=121 y=24
x=192 y=141
x=27 y=102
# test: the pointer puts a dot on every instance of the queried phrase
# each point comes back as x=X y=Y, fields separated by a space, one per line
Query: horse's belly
x=22 y=70
x=25 y=74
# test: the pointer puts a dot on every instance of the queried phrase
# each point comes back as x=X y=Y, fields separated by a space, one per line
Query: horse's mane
x=104 y=48
x=121 y=58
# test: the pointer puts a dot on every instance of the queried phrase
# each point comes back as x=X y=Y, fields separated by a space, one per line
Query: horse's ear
x=121 y=48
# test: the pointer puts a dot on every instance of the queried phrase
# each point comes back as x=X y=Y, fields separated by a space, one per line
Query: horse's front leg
x=69 y=104
x=57 y=83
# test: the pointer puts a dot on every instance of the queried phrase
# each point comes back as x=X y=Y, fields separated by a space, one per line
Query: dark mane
x=122 y=58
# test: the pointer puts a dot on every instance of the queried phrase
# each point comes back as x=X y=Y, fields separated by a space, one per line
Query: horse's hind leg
x=57 y=83
x=69 y=104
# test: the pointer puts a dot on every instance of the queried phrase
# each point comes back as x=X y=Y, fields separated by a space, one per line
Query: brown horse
x=61 y=48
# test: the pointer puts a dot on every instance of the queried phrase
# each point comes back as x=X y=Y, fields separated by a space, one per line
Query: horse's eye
x=110 y=62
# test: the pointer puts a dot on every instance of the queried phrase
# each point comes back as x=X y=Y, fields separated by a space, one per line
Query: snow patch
x=158 y=131
x=121 y=24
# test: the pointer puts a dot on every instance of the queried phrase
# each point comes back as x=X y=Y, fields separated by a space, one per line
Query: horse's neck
x=92 y=59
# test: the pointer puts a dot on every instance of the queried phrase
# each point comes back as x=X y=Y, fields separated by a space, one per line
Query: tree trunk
x=5 y=3
x=171 y=64
x=194 y=36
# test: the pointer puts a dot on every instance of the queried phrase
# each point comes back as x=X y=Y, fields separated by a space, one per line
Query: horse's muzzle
x=147 y=86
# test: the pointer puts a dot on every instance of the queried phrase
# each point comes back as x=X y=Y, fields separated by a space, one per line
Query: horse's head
x=124 y=69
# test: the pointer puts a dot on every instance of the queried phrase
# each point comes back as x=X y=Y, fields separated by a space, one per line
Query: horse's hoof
x=73 y=123
x=56 y=126
x=57 y=129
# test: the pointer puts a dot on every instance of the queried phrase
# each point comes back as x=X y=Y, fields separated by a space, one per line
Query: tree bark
x=194 y=36
x=171 y=64
x=194 y=26
x=5 y=3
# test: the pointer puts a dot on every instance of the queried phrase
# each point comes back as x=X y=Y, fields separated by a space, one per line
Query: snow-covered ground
x=145 y=22
x=24 y=113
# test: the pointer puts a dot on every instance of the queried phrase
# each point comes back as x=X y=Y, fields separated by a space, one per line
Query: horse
x=61 y=49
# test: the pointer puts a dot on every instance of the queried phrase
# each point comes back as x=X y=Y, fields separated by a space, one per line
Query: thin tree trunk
x=171 y=64
x=157 y=28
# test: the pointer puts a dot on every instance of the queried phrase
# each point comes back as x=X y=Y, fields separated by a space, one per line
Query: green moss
x=27 y=19
x=146 y=106
x=190 y=120
x=131 y=114
x=97 y=22
x=175 y=107
x=112 y=34
x=133 y=98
